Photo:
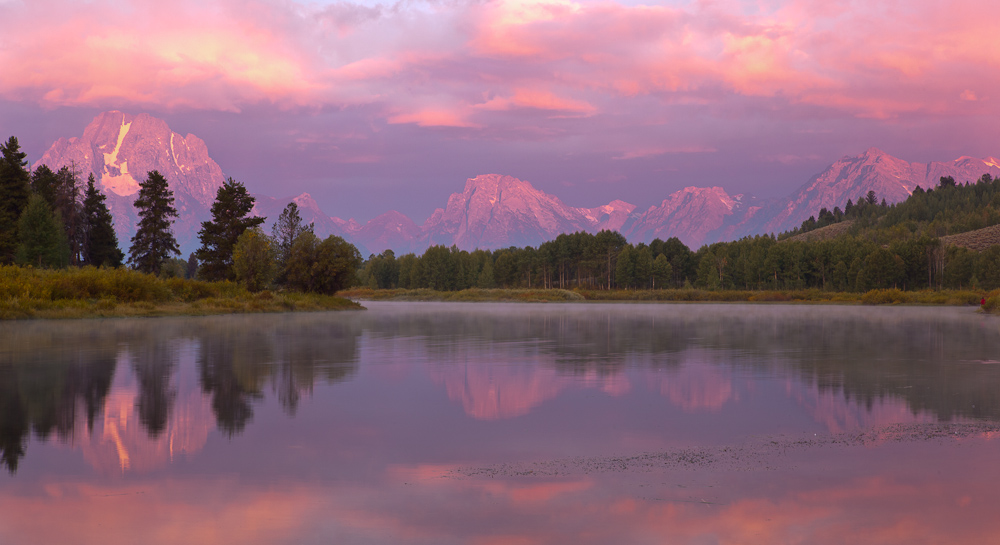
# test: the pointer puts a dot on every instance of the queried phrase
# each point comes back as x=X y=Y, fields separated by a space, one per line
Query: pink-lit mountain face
x=120 y=149
x=689 y=214
x=890 y=178
x=704 y=215
x=493 y=211
x=496 y=211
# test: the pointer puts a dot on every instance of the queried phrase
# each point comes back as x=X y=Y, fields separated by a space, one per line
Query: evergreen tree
x=192 y=266
x=43 y=183
x=100 y=246
x=14 y=191
x=230 y=218
x=60 y=191
x=154 y=241
x=284 y=232
x=41 y=236
x=662 y=272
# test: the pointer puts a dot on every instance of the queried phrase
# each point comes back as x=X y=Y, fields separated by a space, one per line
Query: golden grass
x=475 y=294
x=88 y=292
x=874 y=297
x=829 y=232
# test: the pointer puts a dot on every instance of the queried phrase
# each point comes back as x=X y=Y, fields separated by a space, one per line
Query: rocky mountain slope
x=496 y=211
x=119 y=149
x=493 y=210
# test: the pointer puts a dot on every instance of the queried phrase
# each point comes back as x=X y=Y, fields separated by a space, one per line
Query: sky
x=371 y=106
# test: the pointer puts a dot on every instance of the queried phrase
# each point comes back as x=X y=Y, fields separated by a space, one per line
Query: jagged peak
x=392 y=216
x=490 y=182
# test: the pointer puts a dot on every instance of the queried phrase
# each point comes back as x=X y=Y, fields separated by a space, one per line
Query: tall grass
x=88 y=291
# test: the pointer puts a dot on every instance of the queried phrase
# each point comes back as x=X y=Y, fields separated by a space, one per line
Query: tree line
x=887 y=246
x=48 y=220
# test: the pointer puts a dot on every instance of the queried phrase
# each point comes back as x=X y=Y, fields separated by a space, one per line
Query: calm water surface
x=436 y=423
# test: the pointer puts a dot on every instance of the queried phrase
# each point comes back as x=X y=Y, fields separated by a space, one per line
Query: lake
x=475 y=423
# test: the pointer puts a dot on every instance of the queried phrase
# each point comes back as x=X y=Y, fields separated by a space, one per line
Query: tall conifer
x=154 y=240
x=284 y=232
x=101 y=242
x=14 y=191
x=230 y=218
x=42 y=242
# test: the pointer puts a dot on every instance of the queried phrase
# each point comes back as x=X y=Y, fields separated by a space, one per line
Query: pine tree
x=41 y=236
x=14 y=191
x=60 y=191
x=230 y=218
x=101 y=243
x=154 y=241
x=284 y=232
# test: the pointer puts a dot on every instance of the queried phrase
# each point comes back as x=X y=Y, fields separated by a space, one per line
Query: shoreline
x=874 y=297
x=87 y=292
x=70 y=309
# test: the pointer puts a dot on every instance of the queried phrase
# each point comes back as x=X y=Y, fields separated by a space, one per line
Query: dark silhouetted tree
x=284 y=232
x=230 y=218
x=100 y=246
x=154 y=241
x=14 y=191
x=41 y=240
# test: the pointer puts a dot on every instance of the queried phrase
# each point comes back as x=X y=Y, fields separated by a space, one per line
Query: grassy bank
x=88 y=293
x=874 y=297
x=515 y=295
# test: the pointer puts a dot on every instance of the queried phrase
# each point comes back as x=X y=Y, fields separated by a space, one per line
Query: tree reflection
x=45 y=378
x=154 y=366
x=927 y=357
x=239 y=358
x=52 y=374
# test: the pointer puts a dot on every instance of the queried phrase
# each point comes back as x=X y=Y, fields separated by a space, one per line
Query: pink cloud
x=537 y=99
x=432 y=117
x=519 y=68
x=642 y=153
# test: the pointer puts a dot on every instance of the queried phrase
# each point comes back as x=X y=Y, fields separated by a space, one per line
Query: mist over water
x=541 y=423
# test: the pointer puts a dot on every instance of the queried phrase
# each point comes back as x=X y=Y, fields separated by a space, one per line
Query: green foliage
x=321 y=267
x=381 y=271
x=662 y=272
x=173 y=267
x=285 y=230
x=230 y=218
x=42 y=242
x=100 y=245
x=254 y=259
x=154 y=240
x=89 y=291
x=14 y=191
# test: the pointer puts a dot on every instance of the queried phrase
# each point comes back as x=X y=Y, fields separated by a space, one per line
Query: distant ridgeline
x=928 y=241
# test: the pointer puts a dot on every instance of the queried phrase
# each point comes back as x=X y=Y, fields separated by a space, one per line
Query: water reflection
x=49 y=371
x=844 y=366
x=362 y=427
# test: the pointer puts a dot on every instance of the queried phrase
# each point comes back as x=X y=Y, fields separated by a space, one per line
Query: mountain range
x=492 y=211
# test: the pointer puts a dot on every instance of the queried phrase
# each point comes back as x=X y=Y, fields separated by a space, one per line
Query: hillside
x=977 y=240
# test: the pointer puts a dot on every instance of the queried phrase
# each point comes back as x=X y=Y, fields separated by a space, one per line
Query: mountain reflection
x=51 y=371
